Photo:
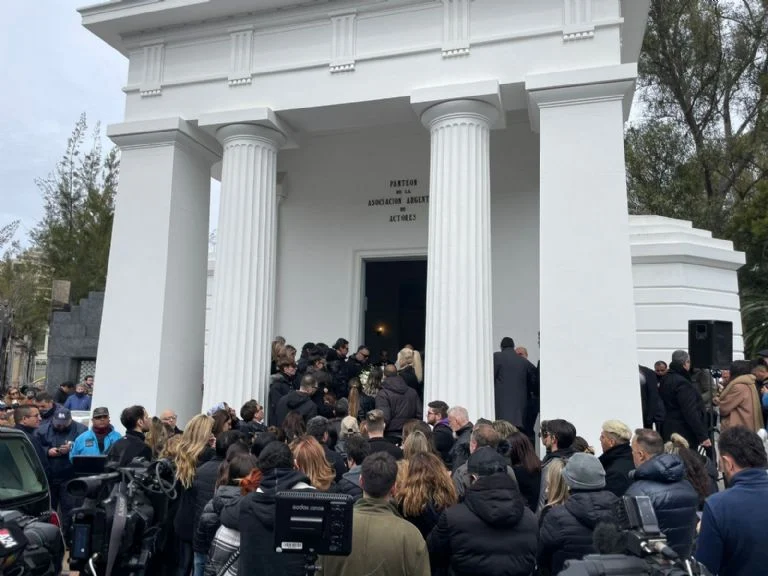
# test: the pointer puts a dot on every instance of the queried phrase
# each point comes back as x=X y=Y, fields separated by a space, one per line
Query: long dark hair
x=293 y=425
x=521 y=453
x=696 y=472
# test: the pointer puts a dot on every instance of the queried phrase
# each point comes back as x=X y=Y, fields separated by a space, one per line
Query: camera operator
x=132 y=445
x=731 y=541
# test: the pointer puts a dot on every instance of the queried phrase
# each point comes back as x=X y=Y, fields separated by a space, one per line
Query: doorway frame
x=359 y=259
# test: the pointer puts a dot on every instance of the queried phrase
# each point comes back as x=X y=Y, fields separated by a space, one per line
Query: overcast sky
x=53 y=70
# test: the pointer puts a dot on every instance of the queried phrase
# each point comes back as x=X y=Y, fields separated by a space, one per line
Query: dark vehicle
x=23 y=485
x=32 y=544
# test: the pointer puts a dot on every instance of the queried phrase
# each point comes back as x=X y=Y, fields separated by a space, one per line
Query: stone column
x=458 y=354
x=588 y=345
x=153 y=323
x=239 y=351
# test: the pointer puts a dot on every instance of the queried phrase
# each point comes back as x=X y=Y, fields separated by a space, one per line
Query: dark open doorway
x=396 y=305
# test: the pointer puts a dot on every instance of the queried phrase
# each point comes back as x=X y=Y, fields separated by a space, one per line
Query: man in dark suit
x=515 y=381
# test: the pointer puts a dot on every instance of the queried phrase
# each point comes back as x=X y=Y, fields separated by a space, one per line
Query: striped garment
x=225 y=543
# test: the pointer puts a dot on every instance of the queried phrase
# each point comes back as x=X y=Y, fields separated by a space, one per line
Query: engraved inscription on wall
x=404 y=201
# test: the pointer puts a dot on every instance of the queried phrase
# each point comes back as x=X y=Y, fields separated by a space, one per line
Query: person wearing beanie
x=566 y=531
x=492 y=532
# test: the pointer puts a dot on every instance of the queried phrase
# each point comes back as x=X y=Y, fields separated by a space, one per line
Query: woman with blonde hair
x=278 y=345
x=156 y=436
x=407 y=371
x=416 y=443
x=194 y=449
x=424 y=491
x=310 y=459
x=557 y=489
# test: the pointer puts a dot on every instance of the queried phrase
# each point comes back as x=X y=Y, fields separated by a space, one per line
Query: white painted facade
x=509 y=115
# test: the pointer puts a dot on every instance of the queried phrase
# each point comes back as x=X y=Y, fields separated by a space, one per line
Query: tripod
x=311 y=567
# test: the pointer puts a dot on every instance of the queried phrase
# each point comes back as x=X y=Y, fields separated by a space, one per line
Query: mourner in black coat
x=684 y=407
x=514 y=384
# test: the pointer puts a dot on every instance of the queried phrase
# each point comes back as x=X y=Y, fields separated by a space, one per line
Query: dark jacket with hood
x=279 y=386
x=491 y=533
x=298 y=401
x=399 y=403
x=685 y=413
x=350 y=483
x=210 y=519
x=675 y=501
x=566 y=530
x=257 y=527
x=618 y=463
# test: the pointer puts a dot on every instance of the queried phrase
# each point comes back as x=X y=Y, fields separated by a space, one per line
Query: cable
x=91 y=566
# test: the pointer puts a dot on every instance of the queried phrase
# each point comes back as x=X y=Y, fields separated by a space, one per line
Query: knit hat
x=486 y=461
x=584 y=472
x=349 y=426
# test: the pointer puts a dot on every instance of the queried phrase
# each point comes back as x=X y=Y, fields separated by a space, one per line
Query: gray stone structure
x=73 y=340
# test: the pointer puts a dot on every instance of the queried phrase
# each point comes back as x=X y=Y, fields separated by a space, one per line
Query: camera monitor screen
x=311 y=522
x=88 y=465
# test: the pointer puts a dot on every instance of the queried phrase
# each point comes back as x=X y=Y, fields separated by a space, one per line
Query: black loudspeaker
x=710 y=343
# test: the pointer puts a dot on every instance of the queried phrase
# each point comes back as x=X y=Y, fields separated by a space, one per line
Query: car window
x=20 y=471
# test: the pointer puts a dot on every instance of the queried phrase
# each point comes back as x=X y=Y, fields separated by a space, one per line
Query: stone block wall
x=74 y=337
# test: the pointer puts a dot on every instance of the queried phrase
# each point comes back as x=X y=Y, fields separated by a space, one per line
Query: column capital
x=270 y=136
x=573 y=87
x=460 y=109
x=164 y=132
x=214 y=122
x=481 y=98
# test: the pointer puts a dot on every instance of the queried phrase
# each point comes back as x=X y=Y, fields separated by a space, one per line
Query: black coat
x=491 y=533
x=618 y=463
x=204 y=486
x=384 y=445
x=399 y=403
x=61 y=469
x=425 y=521
x=367 y=403
x=257 y=528
x=529 y=484
x=131 y=446
x=279 y=386
x=442 y=438
x=514 y=383
x=566 y=530
x=674 y=500
x=350 y=484
x=653 y=407
x=298 y=401
x=685 y=413
x=192 y=505
x=460 y=449
x=409 y=375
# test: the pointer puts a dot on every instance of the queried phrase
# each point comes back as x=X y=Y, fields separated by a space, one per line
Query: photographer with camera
x=731 y=541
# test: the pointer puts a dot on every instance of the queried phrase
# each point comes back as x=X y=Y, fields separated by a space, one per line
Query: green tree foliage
x=700 y=152
x=74 y=235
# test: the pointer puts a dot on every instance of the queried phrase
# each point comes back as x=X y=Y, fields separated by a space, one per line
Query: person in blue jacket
x=732 y=536
x=99 y=439
x=79 y=400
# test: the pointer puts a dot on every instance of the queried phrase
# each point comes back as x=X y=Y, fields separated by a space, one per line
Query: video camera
x=633 y=547
x=121 y=524
x=28 y=546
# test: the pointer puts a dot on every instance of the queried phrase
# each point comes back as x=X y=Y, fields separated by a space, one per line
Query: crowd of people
x=441 y=492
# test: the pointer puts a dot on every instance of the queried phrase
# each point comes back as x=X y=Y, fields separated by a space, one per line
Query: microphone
x=608 y=539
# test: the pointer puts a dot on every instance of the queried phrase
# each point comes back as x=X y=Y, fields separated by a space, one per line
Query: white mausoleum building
x=474 y=146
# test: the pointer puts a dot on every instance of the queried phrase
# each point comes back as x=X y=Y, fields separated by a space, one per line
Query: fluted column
x=239 y=352
x=458 y=354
